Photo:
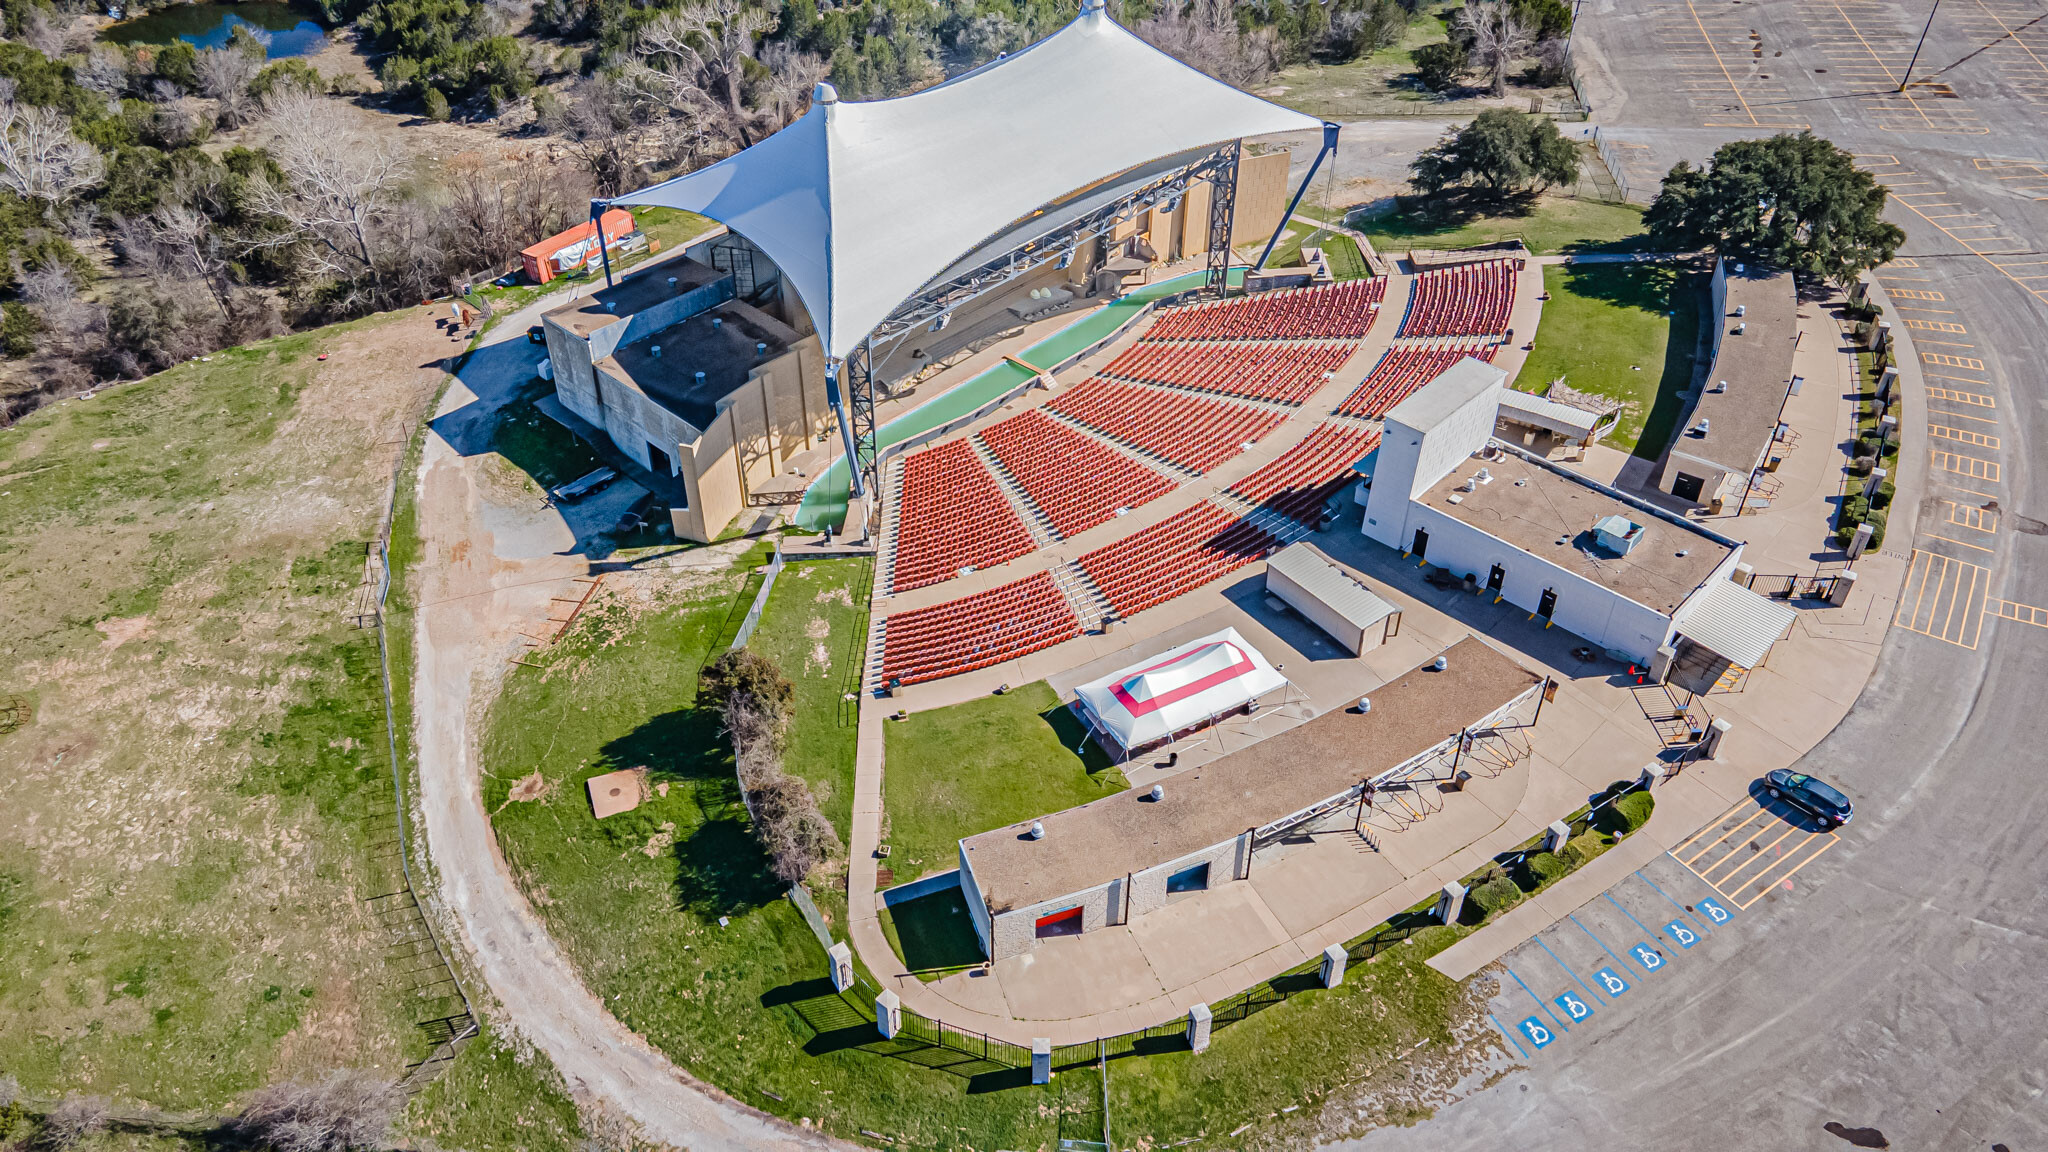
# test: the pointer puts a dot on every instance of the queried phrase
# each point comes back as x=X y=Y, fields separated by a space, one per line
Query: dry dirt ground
x=476 y=599
x=193 y=813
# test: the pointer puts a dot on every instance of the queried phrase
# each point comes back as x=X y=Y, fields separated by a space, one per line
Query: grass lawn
x=1624 y=331
x=1550 y=224
x=933 y=935
x=955 y=771
x=499 y=1096
x=194 y=810
x=1375 y=85
x=815 y=627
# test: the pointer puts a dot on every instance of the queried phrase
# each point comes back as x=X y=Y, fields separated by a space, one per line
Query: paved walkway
x=1203 y=948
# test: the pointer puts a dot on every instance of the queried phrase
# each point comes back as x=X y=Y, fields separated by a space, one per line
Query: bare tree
x=607 y=125
x=225 y=75
x=492 y=211
x=342 y=183
x=72 y=1120
x=40 y=159
x=103 y=71
x=790 y=827
x=792 y=75
x=1499 y=39
x=46 y=35
x=1205 y=35
x=345 y=1110
x=695 y=60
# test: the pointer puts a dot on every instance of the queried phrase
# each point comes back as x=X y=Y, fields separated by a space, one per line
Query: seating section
x=1176 y=555
x=1327 y=311
x=1285 y=373
x=1075 y=479
x=1468 y=300
x=952 y=515
x=1194 y=432
x=976 y=631
x=1403 y=369
x=1304 y=476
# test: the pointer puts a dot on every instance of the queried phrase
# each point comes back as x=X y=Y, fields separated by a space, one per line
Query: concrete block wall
x=1016 y=931
x=1226 y=862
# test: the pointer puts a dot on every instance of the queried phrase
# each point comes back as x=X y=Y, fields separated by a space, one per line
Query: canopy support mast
x=597 y=210
x=1329 y=147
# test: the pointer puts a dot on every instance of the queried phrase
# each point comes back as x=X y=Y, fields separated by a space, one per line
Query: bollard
x=842 y=966
x=1710 y=744
x=1041 y=1060
x=1845 y=583
x=1876 y=481
x=1653 y=774
x=888 y=1014
x=1450 y=902
x=1860 y=541
x=1334 y=959
x=1555 y=836
x=1199 y=1021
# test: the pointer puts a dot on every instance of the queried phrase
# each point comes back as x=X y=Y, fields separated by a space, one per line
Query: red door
x=1062 y=923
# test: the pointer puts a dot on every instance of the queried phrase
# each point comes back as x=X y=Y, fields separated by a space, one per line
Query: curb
x=1910 y=486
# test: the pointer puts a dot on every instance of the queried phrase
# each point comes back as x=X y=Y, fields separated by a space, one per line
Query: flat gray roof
x=631 y=294
x=1549 y=513
x=1427 y=407
x=1305 y=564
x=725 y=354
x=1283 y=774
x=1742 y=421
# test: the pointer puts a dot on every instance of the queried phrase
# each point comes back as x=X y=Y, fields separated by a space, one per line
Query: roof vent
x=656 y=349
x=1037 y=830
x=700 y=379
x=611 y=306
x=1738 y=267
x=1483 y=476
x=1440 y=663
x=671 y=282
x=824 y=94
x=1741 y=327
x=1742 y=309
x=1701 y=428
x=1158 y=792
x=1719 y=386
x=1364 y=704
x=717 y=323
x=760 y=348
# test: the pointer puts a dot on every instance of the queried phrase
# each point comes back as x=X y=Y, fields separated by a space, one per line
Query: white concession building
x=1643 y=584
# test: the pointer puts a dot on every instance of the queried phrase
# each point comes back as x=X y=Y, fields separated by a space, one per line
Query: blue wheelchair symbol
x=1714 y=912
x=1574 y=1007
x=1613 y=985
x=1647 y=957
x=1685 y=936
x=1538 y=1035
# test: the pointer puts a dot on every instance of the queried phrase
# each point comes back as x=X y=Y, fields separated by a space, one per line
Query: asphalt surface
x=1893 y=991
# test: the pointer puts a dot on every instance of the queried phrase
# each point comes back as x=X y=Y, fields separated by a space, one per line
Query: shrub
x=1439 y=66
x=1862 y=465
x=1635 y=809
x=73 y=1119
x=789 y=826
x=1883 y=498
x=1854 y=505
x=1495 y=896
x=346 y=1110
x=1581 y=849
x=437 y=105
x=1547 y=867
x=1876 y=522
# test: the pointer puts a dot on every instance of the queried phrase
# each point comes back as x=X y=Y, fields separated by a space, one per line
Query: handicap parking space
x=1593 y=965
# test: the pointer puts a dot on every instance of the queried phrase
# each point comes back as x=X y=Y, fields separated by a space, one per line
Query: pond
x=284 y=29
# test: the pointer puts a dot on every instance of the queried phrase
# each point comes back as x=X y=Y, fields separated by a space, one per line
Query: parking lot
x=1596 y=963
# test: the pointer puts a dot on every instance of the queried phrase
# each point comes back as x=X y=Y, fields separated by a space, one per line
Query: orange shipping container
x=575 y=247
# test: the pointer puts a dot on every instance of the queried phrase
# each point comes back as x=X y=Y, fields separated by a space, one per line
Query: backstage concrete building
x=1731 y=430
x=1641 y=583
x=1110 y=861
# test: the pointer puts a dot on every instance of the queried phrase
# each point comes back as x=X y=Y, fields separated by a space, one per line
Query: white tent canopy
x=1178 y=690
x=862 y=204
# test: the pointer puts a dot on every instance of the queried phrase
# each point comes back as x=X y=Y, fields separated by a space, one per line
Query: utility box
x=841 y=958
x=888 y=1014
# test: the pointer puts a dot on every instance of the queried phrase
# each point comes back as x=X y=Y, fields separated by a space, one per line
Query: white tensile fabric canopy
x=861 y=204
x=1178 y=689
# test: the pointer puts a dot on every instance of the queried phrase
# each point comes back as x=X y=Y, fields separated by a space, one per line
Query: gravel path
x=472 y=604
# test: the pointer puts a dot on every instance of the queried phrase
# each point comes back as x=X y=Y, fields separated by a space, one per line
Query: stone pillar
x=1334 y=959
x=1881 y=336
x=1199 y=1021
x=1653 y=775
x=1885 y=384
x=1450 y=902
x=1845 y=583
x=1041 y=1060
x=1876 y=481
x=1710 y=744
x=1554 y=837
x=1860 y=541
x=1660 y=664
x=888 y=1014
x=1887 y=428
x=841 y=958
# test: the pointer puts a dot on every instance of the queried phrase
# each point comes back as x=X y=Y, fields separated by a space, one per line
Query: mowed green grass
x=193 y=813
x=636 y=903
x=815 y=628
x=1374 y=85
x=933 y=935
x=1550 y=224
x=1623 y=331
x=966 y=768
x=500 y=1095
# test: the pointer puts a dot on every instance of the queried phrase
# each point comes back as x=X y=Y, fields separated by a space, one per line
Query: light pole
x=1908 y=78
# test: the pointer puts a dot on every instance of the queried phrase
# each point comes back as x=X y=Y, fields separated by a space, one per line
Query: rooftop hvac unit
x=1618 y=534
